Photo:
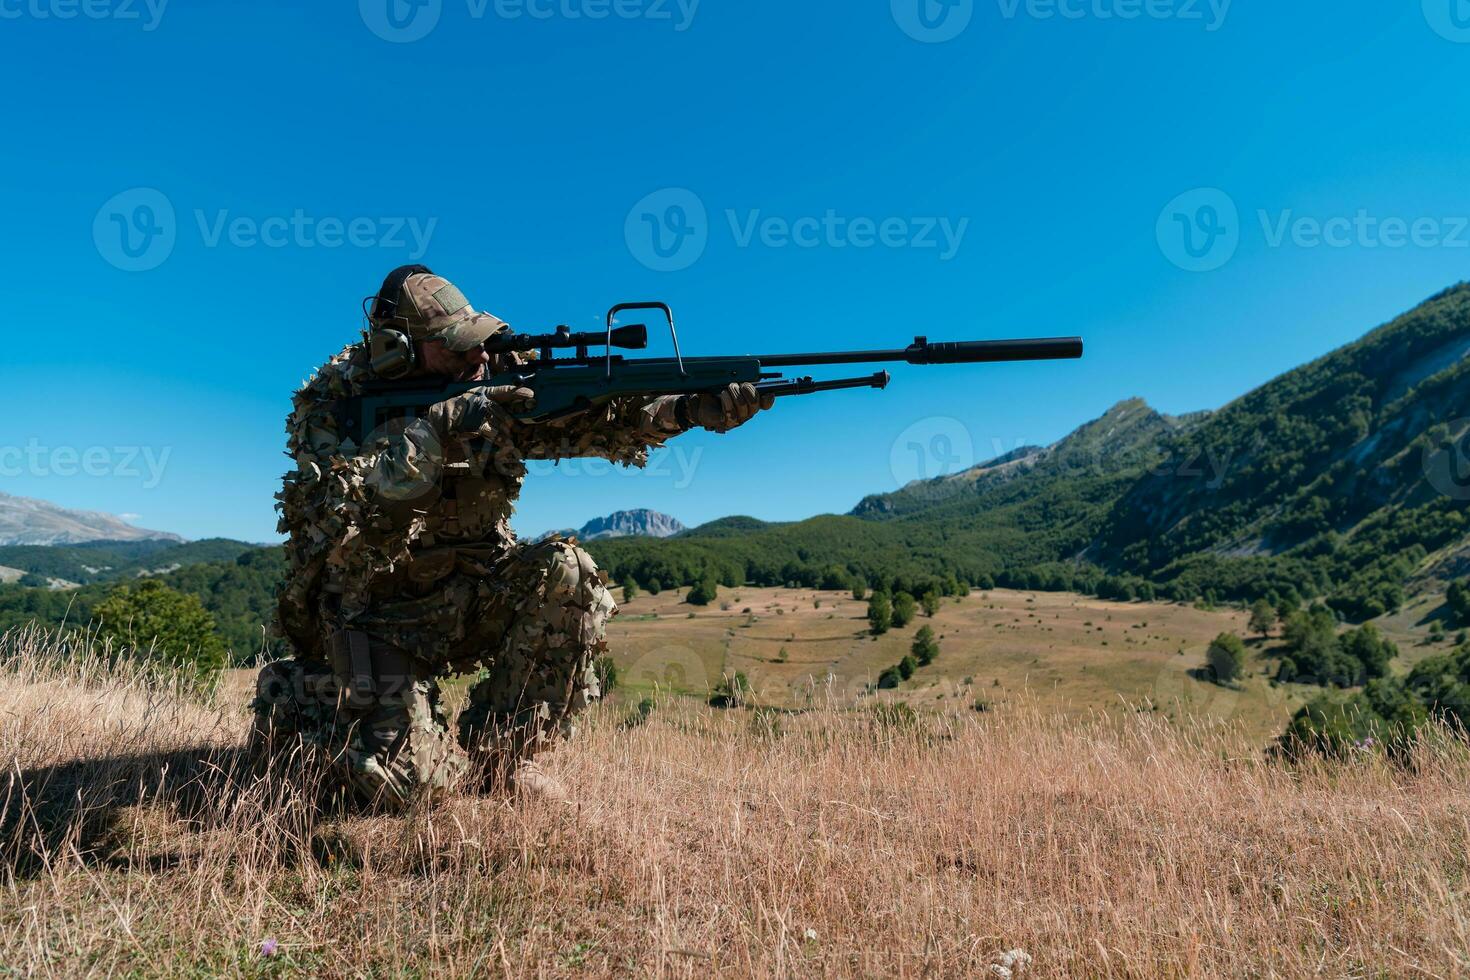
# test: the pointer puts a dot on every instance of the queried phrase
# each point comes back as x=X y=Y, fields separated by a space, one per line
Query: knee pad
x=573 y=581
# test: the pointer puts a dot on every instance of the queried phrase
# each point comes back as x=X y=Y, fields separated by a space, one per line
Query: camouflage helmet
x=432 y=308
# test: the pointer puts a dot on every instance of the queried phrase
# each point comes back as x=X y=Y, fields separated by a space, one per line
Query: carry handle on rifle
x=668 y=315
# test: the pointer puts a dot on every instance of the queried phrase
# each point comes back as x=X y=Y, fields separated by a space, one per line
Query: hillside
x=235 y=582
x=102 y=561
x=1339 y=480
x=24 y=520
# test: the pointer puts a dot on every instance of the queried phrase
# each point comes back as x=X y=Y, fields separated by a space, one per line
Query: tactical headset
x=390 y=348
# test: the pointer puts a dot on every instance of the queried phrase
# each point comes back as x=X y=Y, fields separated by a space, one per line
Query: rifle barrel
x=958 y=352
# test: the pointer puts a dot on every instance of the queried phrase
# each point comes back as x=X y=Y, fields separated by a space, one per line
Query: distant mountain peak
x=25 y=520
x=640 y=523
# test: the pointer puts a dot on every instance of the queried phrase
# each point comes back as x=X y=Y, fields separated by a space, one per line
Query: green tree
x=880 y=613
x=907 y=666
x=31 y=580
x=1384 y=716
x=655 y=586
x=1458 y=598
x=703 y=592
x=930 y=603
x=1226 y=657
x=1263 y=617
x=904 y=609
x=925 y=647
x=1370 y=648
x=154 y=620
x=630 y=589
x=890 y=678
x=859 y=589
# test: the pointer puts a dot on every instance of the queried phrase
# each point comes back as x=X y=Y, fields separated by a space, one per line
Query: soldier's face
x=460 y=365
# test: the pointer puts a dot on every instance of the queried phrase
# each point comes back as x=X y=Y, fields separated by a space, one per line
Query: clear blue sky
x=521 y=138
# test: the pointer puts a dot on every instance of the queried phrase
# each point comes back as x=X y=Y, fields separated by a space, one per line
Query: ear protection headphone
x=390 y=349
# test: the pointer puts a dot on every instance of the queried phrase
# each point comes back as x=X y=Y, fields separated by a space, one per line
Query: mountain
x=623 y=524
x=24 y=520
x=630 y=524
x=1343 y=479
x=1122 y=437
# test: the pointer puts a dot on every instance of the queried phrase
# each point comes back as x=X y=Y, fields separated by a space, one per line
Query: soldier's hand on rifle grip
x=468 y=413
x=723 y=411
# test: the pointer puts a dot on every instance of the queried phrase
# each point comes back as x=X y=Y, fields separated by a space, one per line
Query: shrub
x=630 y=590
x=1226 y=658
x=930 y=603
x=154 y=620
x=703 y=592
x=607 y=673
x=733 y=691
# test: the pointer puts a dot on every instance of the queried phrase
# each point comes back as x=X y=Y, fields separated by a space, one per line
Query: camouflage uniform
x=402 y=568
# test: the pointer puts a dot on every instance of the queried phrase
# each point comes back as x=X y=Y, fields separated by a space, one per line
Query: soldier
x=402 y=566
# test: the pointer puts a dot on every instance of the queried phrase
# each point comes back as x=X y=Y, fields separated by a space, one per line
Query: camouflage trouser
x=532 y=621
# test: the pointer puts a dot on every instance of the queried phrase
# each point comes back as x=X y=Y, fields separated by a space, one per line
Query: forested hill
x=1337 y=479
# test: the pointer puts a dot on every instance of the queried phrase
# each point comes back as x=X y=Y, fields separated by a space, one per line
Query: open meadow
x=870 y=841
x=1065 y=653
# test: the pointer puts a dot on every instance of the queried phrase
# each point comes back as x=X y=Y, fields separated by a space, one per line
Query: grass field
x=134 y=839
x=1068 y=654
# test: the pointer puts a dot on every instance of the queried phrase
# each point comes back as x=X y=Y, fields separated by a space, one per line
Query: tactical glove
x=724 y=410
x=467 y=414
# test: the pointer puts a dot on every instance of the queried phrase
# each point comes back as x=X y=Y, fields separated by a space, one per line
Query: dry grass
x=829 y=842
